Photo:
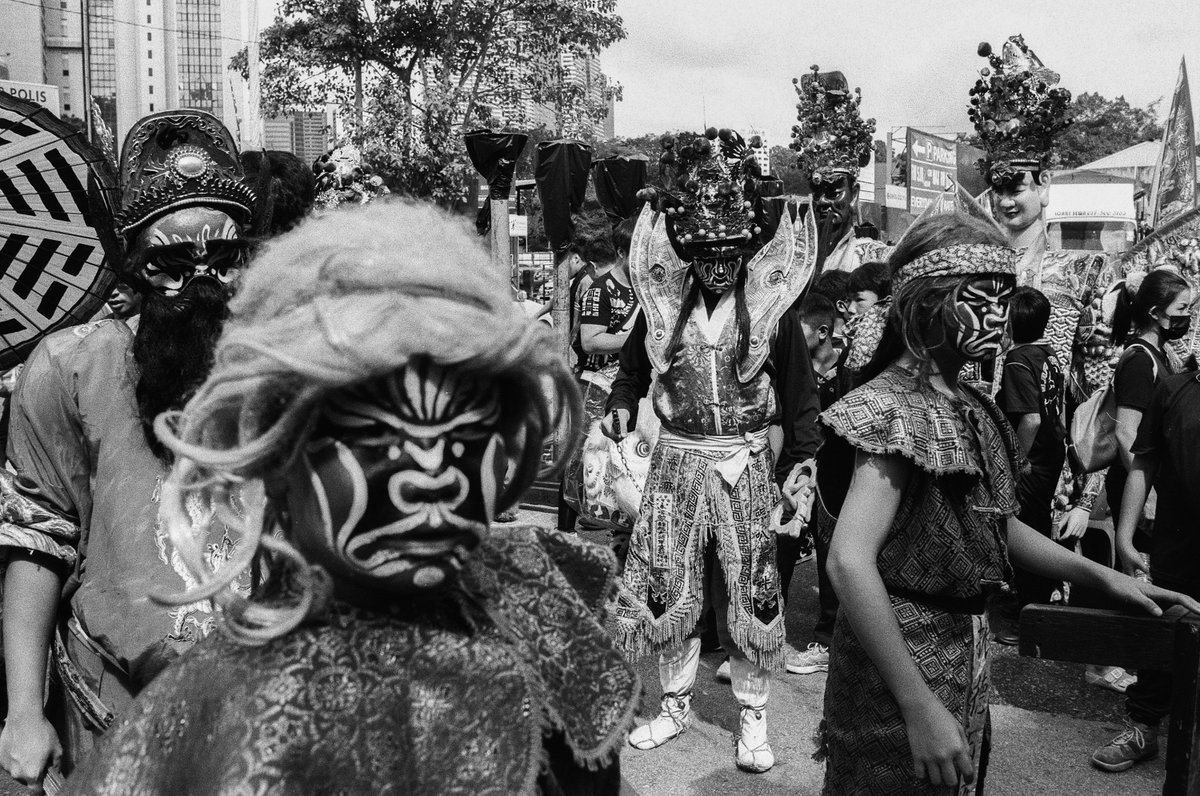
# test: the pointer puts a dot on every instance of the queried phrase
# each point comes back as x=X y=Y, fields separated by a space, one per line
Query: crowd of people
x=250 y=516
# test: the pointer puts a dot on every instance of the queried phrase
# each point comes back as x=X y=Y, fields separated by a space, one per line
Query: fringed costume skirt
x=694 y=495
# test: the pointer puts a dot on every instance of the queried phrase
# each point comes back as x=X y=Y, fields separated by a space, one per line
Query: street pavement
x=1046 y=722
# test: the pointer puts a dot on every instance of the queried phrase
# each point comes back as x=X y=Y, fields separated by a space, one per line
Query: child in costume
x=927 y=525
x=715 y=273
x=369 y=403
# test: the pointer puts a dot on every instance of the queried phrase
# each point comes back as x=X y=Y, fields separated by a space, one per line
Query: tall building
x=520 y=109
x=306 y=135
x=135 y=56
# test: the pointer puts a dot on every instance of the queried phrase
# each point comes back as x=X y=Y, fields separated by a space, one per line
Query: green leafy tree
x=1104 y=126
x=410 y=77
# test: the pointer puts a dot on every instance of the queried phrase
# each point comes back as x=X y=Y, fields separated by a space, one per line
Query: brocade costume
x=712 y=474
x=945 y=547
x=83 y=462
x=510 y=685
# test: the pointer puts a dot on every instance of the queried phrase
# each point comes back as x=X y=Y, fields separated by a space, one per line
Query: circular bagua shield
x=54 y=272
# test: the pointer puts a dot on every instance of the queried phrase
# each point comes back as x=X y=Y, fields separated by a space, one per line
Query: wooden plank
x=1110 y=638
x=1183 y=736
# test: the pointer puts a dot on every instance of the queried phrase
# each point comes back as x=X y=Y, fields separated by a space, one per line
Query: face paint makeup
x=401 y=480
x=718 y=274
x=187 y=244
x=980 y=316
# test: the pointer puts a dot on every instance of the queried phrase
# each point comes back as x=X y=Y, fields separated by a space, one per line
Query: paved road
x=1046 y=722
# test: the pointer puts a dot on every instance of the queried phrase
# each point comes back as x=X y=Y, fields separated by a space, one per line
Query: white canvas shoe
x=753 y=752
x=674 y=717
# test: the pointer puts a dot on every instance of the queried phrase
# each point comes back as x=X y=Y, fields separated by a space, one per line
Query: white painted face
x=187 y=244
x=401 y=480
x=1018 y=205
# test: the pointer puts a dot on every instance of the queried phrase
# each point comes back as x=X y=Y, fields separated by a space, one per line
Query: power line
x=93 y=16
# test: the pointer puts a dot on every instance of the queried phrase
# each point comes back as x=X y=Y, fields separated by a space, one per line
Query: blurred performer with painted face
x=928 y=525
x=715 y=271
x=87 y=546
x=366 y=404
x=833 y=142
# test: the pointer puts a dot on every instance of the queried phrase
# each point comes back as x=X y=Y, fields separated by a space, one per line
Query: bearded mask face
x=980 y=313
x=188 y=244
x=400 y=481
x=834 y=194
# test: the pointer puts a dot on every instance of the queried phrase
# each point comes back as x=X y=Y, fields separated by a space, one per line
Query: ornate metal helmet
x=831 y=137
x=1018 y=110
x=177 y=159
x=713 y=197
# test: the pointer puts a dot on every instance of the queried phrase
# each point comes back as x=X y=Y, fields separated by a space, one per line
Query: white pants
x=677 y=667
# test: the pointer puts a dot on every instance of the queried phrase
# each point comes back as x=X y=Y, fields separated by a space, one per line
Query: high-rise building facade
x=306 y=135
x=134 y=57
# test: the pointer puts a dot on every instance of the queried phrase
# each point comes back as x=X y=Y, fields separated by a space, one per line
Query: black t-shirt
x=585 y=276
x=1170 y=431
x=1138 y=371
x=606 y=303
x=1032 y=384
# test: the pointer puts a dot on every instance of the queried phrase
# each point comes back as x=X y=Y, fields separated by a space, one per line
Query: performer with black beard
x=715 y=271
x=85 y=543
x=833 y=142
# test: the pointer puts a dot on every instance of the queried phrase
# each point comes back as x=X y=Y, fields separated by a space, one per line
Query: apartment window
x=151 y=89
x=147 y=18
x=66 y=106
x=152 y=107
x=66 y=72
x=149 y=36
x=150 y=72
x=149 y=53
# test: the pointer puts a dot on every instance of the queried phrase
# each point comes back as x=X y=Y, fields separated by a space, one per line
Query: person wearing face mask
x=833 y=142
x=928 y=525
x=1149 y=313
x=716 y=263
x=357 y=426
x=81 y=528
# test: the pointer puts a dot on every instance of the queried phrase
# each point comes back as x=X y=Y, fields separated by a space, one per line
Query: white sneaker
x=753 y=752
x=674 y=717
x=812 y=660
x=723 y=675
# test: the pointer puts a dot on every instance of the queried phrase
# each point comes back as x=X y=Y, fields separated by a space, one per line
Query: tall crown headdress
x=1018 y=109
x=831 y=135
x=177 y=159
x=713 y=193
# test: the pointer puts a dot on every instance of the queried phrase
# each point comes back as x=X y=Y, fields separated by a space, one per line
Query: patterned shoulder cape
x=899 y=413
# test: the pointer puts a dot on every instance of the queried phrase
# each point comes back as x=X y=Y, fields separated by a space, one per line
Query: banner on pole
x=1174 y=191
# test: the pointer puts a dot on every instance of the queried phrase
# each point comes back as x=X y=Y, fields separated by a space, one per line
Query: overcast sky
x=731 y=62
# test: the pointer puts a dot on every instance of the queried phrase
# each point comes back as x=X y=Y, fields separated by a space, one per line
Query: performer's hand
x=615 y=424
x=939 y=746
x=799 y=489
x=1073 y=524
x=1131 y=560
x=28 y=744
x=1146 y=596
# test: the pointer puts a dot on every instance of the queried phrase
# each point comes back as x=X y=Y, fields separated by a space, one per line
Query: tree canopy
x=1103 y=126
x=410 y=77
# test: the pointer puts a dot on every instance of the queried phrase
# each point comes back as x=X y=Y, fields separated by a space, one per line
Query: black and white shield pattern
x=54 y=272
